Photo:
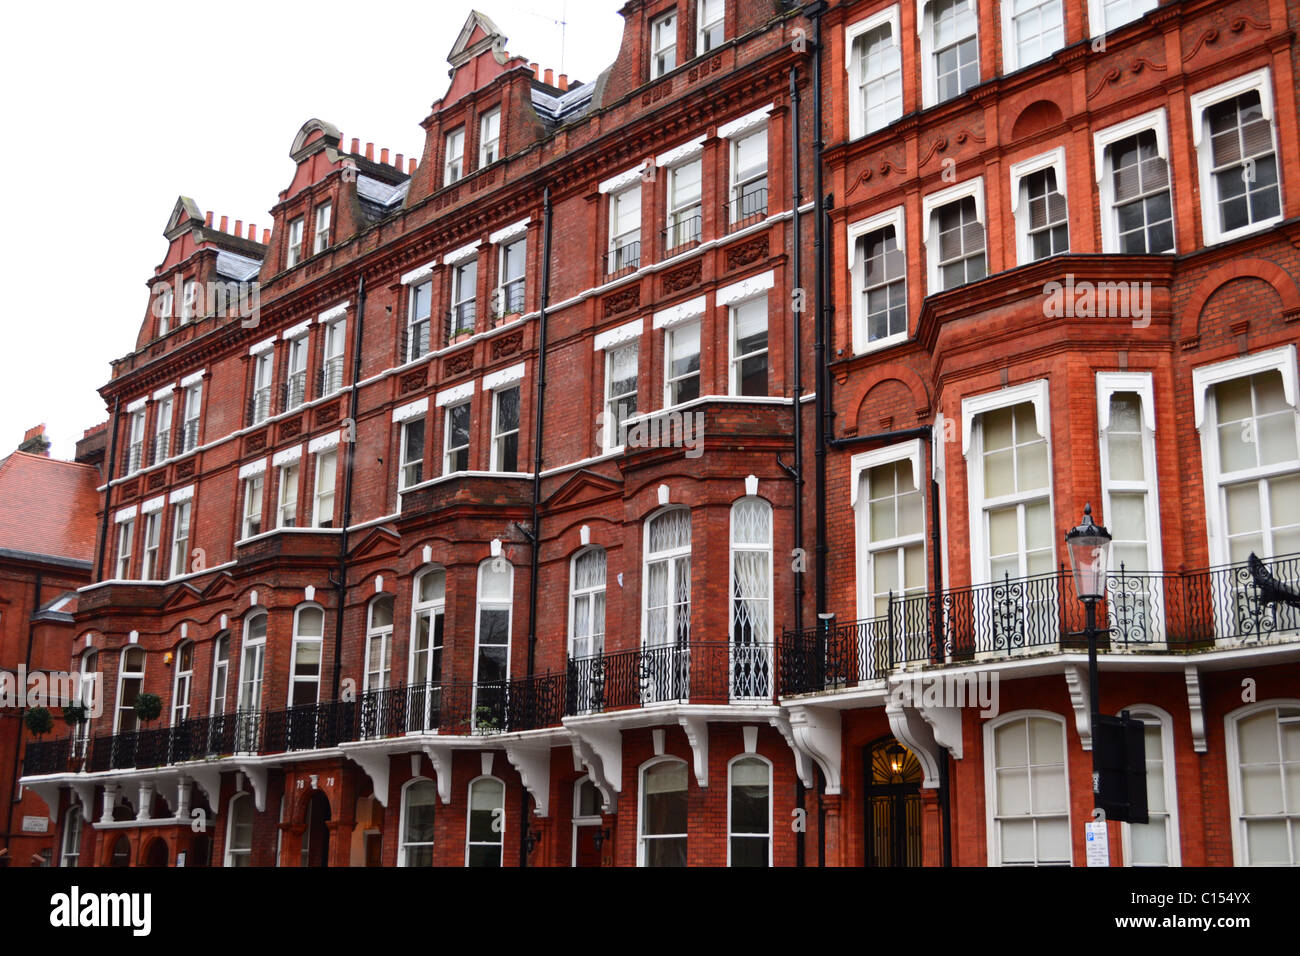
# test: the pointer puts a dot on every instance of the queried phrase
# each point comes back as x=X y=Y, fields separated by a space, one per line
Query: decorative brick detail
x=158 y=479
x=458 y=364
x=327 y=414
x=414 y=381
x=507 y=344
x=185 y=469
x=746 y=253
x=622 y=301
x=683 y=278
x=255 y=442
x=291 y=429
x=130 y=489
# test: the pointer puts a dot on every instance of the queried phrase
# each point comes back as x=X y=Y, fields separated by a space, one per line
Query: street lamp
x=1089 y=547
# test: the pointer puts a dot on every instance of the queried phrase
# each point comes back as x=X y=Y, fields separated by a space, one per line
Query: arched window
x=751 y=598
x=425 y=658
x=130 y=682
x=587 y=603
x=184 y=665
x=668 y=579
x=70 y=851
x=308 y=636
x=487 y=822
x=492 y=640
x=1155 y=843
x=239 y=830
x=1264 y=783
x=220 y=673
x=1027 y=792
x=90 y=694
x=379 y=643
x=749 y=812
x=662 y=819
x=250 y=681
x=419 y=798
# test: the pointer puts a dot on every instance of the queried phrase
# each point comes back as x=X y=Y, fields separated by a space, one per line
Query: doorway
x=893 y=804
x=316 y=838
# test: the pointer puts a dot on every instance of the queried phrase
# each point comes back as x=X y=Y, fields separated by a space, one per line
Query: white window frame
x=737 y=183
x=1036 y=392
x=136 y=443
x=580 y=819
x=858 y=124
x=758 y=758
x=193 y=410
x=300 y=640
x=1282 y=360
x=498 y=436
x=619 y=241
x=125 y=548
x=1053 y=159
x=447 y=448
x=641 y=835
x=1097 y=25
x=453 y=159
x=930 y=206
x=189 y=292
x=992 y=831
x=500 y=843
x=434 y=608
x=321 y=218
x=385 y=636
x=1108 y=383
x=734 y=360
x=295 y=372
x=182 y=682
x=676 y=237
x=252 y=653
x=929 y=74
x=1240 y=850
x=701 y=31
x=748 y=658
x=1011 y=59
x=163 y=306
x=670 y=334
x=658 y=69
x=263 y=377
x=480 y=605
x=488 y=156
x=673 y=559
x=123 y=675
x=505 y=281
x=293 y=256
x=254 y=495
x=1148 y=714
x=182 y=514
x=859 y=465
x=1157 y=122
x=293 y=467
x=70 y=843
x=856 y=265
x=220 y=684
x=323 y=456
x=246 y=853
x=611 y=431
x=412 y=320
x=334 y=348
x=402 y=843
x=162 y=429
x=151 y=566
x=590 y=592
x=1259 y=81
x=404 y=463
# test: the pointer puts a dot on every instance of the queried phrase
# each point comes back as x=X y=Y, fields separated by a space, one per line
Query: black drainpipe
x=108 y=493
x=534 y=533
x=341 y=581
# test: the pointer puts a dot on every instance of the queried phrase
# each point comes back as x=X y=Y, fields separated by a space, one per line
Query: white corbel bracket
x=533 y=762
x=1076 y=682
x=1195 y=707
x=697 y=735
x=802 y=764
x=257 y=779
x=816 y=732
x=374 y=763
x=916 y=735
x=440 y=757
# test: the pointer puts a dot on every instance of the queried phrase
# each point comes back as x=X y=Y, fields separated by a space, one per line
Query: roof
x=47 y=506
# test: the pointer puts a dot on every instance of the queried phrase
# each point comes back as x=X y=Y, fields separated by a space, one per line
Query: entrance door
x=316 y=837
x=893 y=805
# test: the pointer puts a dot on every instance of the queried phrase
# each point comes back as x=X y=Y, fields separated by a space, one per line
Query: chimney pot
x=383 y=155
x=564 y=81
x=207 y=219
x=239 y=228
x=356 y=146
x=410 y=166
x=537 y=74
x=252 y=231
x=224 y=221
x=400 y=161
x=550 y=77
x=266 y=237
x=370 y=151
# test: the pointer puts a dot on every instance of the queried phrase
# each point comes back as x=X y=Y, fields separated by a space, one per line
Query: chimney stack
x=564 y=81
x=537 y=74
x=550 y=77
x=207 y=219
x=224 y=221
x=383 y=155
x=266 y=237
x=370 y=151
x=252 y=232
x=356 y=146
x=399 y=162
x=410 y=166
x=239 y=228
x=35 y=442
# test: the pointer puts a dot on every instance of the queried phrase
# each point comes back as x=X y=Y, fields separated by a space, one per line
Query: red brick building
x=493 y=531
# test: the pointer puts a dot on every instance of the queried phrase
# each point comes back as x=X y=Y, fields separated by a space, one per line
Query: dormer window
x=454 y=163
x=322 y=240
x=295 y=243
x=663 y=45
x=489 y=137
x=712 y=25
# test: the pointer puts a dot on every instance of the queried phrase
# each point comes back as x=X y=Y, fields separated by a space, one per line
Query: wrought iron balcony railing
x=745 y=210
x=460 y=320
x=622 y=259
x=685 y=231
x=1141 y=611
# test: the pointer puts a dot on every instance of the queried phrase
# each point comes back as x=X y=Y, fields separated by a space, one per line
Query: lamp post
x=1089 y=548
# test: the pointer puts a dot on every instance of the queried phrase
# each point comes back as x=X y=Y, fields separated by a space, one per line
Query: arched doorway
x=316 y=838
x=121 y=852
x=893 y=805
x=157 y=854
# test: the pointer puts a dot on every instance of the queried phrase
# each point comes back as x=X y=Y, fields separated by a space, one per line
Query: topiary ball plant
x=74 y=714
x=148 y=707
x=39 y=721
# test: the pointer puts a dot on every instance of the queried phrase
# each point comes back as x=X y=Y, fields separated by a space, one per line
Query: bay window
x=304 y=671
x=751 y=599
x=621 y=366
x=748 y=344
x=1133 y=175
x=682 y=376
x=252 y=520
x=505 y=429
x=130 y=684
x=954 y=235
x=411 y=464
x=492 y=642
x=1038 y=202
x=287 y=510
x=125 y=538
x=326 y=475
x=878 y=266
x=379 y=644
x=456 y=439
x=1264 y=783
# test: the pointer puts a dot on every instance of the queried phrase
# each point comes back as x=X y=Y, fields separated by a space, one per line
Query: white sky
x=110 y=111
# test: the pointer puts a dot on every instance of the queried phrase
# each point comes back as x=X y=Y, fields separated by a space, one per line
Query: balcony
x=460 y=321
x=683 y=233
x=1142 y=612
x=623 y=259
x=696 y=673
x=746 y=209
